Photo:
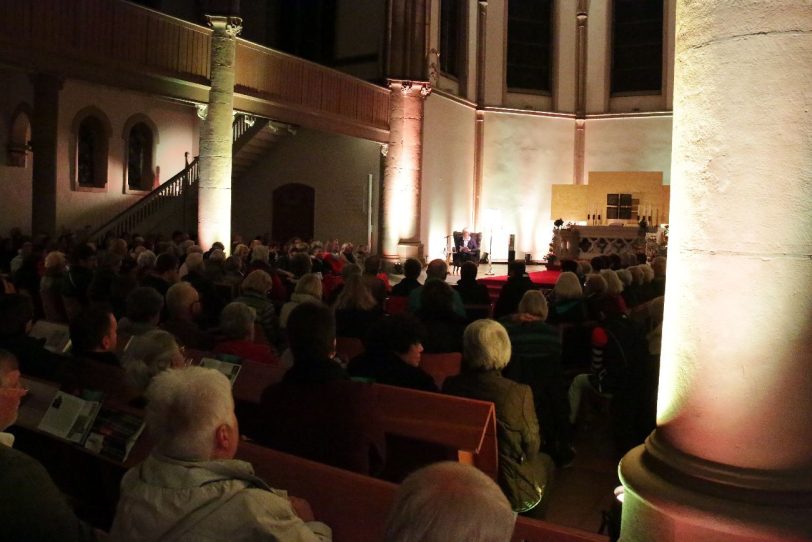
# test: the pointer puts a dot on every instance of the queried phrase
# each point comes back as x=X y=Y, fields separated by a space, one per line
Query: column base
x=667 y=500
x=408 y=250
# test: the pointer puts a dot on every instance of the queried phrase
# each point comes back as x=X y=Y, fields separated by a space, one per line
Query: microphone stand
x=490 y=255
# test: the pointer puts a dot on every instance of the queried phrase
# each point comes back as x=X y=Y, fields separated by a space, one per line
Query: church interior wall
x=15 y=182
x=178 y=132
x=524 y=155
x=629 y=144
x=448 y=172
x=338 y=167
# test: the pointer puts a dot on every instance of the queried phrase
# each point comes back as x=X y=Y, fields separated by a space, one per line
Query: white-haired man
x=191 y=487
x=449 y=502
x=31 y=506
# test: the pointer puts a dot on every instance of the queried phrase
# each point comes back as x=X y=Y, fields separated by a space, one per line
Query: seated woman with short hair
x=524 y=472
x=237 y=326
x=149 y=354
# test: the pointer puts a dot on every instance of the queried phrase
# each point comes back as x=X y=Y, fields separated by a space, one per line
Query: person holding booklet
x=31 y=506
x=191 y=487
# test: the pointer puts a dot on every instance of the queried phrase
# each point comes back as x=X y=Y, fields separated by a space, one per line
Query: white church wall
x=336 y=166
x=447 y=195
x=524 y=156
x=15 y=182
x=178 y=131
x=629 y=144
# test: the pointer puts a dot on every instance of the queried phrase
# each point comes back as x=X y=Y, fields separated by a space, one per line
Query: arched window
x=19 y=140
x=91 y=134
x=139 y=158
x=140 y=146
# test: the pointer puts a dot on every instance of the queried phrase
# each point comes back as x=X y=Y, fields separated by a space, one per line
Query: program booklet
x=231 y=370
x=103 y=430
x=56 y=336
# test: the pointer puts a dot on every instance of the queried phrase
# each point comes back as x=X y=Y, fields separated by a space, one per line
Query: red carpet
x=545 y=279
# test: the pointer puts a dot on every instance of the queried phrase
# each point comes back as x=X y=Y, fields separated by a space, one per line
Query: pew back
x=465 y=425
x=353 y=505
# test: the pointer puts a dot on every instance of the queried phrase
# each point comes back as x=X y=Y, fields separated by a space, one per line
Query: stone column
x=402 y=171
x=731 y=458
x=44 y=137
x=214 y=199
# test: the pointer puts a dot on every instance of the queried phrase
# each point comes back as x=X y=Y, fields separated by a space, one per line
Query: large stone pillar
x=402 y=171
x=731 y=458
x=44 y=138
x=214 y=200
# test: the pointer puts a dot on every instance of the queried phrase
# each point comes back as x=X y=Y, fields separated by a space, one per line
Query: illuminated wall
x=336 y=166
x=524 y=155
x=448 y=172
x=178 y=133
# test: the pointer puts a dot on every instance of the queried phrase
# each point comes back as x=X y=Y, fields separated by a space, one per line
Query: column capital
x=228 y=24
x=410 y=88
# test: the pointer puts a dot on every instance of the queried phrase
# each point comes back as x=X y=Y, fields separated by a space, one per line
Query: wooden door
x=293 y=212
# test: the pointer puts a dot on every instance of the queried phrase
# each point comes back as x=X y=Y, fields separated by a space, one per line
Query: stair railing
x=181 y=185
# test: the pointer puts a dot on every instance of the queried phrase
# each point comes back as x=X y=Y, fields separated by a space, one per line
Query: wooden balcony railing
x=121 y=44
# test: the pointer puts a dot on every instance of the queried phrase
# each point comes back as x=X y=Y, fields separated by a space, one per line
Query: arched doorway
x=293 y=212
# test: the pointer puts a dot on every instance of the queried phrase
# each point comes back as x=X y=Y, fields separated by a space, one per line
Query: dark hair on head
x=166 y=262
x=81 y=252
x=615 y=262
x=516 y=268
x=311 y=331
x=569 y=265
x=372 y=264
x=144 y=303
x=596 y=263
x=436 y=297
x=16 y=310
x=300 y=264
x=88 y=328
x=468 y=271
x=412 y=268
x=641 y=257
x=395 y=333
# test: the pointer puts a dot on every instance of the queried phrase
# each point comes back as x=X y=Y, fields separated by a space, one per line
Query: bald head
x=437 y=269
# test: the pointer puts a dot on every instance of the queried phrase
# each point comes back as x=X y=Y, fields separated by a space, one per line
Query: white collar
x=6 y=439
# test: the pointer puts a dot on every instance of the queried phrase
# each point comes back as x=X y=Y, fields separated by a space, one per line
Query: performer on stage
x=467 y=248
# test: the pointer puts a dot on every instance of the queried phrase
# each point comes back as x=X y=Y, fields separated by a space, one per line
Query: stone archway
x=293 y=212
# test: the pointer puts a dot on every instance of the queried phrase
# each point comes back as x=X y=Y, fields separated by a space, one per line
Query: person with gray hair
x=449 y=502
x=308 y=290
x=237 y=327
x=436 y=270
x=149 y=354
x=524 y=472
x=567 y=300
x=191 y=487
x=536 y=361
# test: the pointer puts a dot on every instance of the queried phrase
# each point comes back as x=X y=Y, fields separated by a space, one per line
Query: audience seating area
x=420 y=427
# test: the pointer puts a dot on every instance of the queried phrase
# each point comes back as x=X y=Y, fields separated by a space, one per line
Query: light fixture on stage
x=491 y=218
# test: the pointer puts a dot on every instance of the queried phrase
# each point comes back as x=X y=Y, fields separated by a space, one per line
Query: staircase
x=173 y=205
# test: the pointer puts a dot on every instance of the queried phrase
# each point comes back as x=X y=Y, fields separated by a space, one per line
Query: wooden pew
x=441 y=366
x=465 y=425
x=353 y=505
x=254 y=377
x=356 y=506
x=534 y=530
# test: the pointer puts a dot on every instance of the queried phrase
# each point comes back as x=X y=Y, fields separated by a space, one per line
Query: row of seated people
x=428 y=285
x=191 y=487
